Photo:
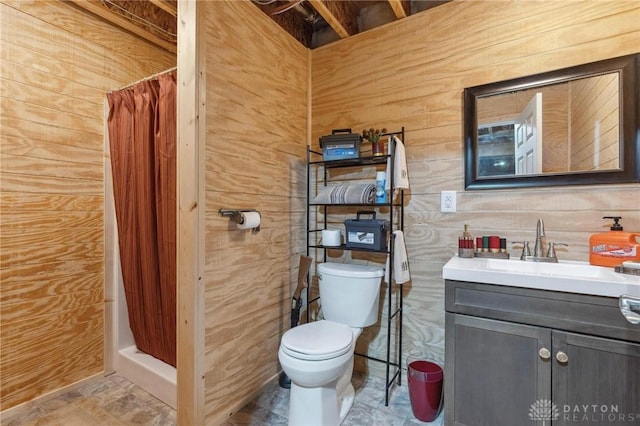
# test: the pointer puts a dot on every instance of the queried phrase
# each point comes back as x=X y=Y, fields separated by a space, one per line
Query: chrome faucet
x=538 y=249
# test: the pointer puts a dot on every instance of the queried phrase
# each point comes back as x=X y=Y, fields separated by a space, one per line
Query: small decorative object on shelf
x=491 y=246
x=373 y=135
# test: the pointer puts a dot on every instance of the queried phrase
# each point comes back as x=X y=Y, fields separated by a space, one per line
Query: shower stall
x=122 y=355
x=139 y=173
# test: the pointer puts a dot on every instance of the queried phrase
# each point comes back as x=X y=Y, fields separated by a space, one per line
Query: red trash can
x=425 y=389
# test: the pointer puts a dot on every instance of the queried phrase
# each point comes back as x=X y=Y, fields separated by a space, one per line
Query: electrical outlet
x=448 y=201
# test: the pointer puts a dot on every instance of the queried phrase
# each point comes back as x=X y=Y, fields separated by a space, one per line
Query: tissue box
x=367 y=233
x=341 y=144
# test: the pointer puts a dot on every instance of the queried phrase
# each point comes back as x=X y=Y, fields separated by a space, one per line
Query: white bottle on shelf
x=381 y=194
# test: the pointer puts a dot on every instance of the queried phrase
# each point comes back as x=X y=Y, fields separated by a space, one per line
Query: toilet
x=318 y=357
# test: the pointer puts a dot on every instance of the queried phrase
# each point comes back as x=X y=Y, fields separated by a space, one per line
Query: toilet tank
x=349 y=294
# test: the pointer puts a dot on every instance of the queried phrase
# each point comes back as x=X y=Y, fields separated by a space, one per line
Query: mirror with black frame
x=578 y=125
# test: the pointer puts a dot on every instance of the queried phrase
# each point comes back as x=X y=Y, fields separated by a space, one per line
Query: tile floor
x=115 y=401
x=111 y=401
x=271 y=406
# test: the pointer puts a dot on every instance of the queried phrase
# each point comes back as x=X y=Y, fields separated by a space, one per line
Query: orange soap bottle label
x=614 y=247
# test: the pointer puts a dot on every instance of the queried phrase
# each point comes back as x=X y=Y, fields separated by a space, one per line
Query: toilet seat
x=317 y=341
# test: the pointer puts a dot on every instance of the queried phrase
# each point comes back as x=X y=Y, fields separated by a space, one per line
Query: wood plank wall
x=57 y=64
x=256 y=137
x=412 y=73
x=594 y=115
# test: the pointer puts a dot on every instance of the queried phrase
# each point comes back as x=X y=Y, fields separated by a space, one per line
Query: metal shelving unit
x=395 y=215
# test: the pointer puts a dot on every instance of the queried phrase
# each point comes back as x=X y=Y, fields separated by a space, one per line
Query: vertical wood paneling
x=413 y=72
x=256 y=123
x=57 y=64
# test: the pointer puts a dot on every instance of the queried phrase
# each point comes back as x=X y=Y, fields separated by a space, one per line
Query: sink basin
x=572 y=277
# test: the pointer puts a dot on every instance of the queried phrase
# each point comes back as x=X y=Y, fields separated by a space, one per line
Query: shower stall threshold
x=155 y=376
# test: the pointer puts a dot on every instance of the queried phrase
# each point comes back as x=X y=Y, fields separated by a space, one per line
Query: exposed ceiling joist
x=168 y=7
x=312 y=22
x=339 y=15
x=97 y=8
x=400 y=8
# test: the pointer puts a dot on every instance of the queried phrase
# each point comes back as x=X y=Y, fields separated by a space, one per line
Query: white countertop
x=566 y=276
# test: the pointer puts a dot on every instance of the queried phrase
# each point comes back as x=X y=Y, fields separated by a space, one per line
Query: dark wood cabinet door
x=494 y=372
x=598 y=382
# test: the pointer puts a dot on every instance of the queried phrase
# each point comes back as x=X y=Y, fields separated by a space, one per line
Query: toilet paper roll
x=249 y=220
x=331 y=237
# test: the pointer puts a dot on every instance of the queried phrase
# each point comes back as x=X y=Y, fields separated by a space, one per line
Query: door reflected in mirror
x=566 y=127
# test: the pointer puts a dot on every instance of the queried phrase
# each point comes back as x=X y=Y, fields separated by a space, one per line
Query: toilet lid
x=317 y=341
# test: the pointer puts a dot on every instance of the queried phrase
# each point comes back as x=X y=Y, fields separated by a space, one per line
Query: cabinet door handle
x=562 y=357
x=544 y=353
x=630 y=308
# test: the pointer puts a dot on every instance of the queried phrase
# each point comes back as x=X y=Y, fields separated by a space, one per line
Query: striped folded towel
x=358 y=193
x=401 y=273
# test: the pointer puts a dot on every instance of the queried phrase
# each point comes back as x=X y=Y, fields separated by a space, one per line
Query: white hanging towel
x=400 y=170
x=401 y=272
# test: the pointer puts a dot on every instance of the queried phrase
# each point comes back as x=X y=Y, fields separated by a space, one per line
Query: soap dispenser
x=465 y=243
x=614 y=247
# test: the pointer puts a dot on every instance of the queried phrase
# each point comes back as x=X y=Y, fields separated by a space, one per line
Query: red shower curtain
x=142 y=141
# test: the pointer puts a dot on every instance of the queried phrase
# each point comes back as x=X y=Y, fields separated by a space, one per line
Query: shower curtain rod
x=151 y=77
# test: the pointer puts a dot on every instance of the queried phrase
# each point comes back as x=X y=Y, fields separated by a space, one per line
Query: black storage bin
x=367 y=233
x=341 y=144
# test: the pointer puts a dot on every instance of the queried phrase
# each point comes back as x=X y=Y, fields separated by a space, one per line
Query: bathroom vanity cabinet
x=515 y=355
x=321 y=216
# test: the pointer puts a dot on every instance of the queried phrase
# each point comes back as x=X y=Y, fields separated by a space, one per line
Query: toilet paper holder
x=235 y=215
